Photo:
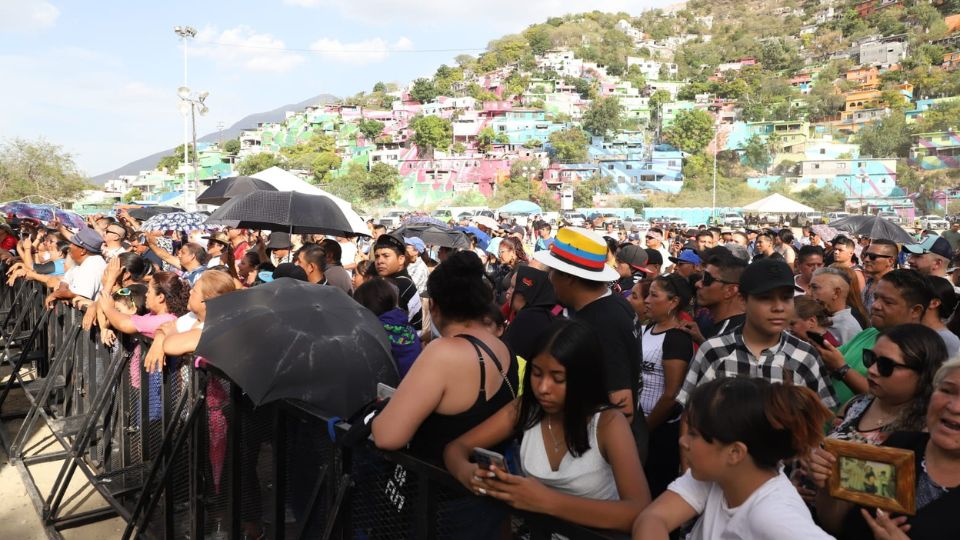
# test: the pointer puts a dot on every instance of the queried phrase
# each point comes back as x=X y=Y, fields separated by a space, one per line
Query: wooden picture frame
x=875 y=476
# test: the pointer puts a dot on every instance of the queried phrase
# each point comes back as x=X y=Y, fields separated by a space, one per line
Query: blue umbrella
x=483 y=239
x=520 y=207
x=177 y=221
x=43 y=212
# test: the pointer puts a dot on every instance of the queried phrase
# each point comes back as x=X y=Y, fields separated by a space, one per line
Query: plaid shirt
x=727 y=356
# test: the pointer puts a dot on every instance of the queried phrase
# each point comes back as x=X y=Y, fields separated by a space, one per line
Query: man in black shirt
x=389 y=256
x=580 y=276
x=718 y=290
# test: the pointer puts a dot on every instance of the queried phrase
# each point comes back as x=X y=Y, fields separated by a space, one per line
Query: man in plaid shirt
x=761 y=348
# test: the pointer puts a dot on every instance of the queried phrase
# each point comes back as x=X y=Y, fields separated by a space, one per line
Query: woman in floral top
x=900 y=373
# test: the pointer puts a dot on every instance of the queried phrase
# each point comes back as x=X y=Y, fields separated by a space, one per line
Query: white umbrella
x=487 y=222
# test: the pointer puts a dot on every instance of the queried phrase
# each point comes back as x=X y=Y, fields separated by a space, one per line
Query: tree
x=888 y=137
x=603 y=116
x=39 y=168
x=585 y=190
x=381 y=183
x=171 y=163
x=379 y=87
x=691 y=131
x=348 y=184
x=423 y=90
x=430 y=133
x=322 y=164
x=538 y=37
x=232 y=146
x=485 y=139
x=371 y=128
x=940 y=117
x=569 y=145
x=258 y=162
x=756 y=153
x=132 y=195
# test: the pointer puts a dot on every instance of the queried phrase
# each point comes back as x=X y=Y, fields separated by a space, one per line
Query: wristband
x=842 y=372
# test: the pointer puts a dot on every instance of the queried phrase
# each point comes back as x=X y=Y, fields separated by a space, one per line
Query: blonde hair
x=213 y=283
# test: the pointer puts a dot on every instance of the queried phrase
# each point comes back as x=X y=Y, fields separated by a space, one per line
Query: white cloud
x=242 y=47
x=359 y=52
x=27 y=15
x=501 y=13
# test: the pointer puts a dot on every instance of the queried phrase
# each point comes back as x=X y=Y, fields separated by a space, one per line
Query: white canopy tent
x=777 y=204
x=287 y=181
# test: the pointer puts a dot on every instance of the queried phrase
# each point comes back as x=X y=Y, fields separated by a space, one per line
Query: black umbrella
x=289 y=211
x=224 y=190
x=147 y=212
x=874 y=227
x=290 y=339
x=437 y=235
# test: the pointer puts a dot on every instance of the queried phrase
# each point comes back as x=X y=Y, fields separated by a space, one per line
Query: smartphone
x=384 y=391
x=486 y=459
x=817 y=338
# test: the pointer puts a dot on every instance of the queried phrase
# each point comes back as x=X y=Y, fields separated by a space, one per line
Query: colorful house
x=935 y=151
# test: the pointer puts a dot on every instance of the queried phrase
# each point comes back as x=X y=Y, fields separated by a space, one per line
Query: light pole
x=185 y=32
x=193 y=103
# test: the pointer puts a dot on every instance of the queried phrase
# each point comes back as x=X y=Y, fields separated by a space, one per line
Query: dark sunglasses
x=875 y=256
x=708 y=280
x=885 y=365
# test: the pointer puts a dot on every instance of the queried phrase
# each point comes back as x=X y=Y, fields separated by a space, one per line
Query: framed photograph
x=873 y=475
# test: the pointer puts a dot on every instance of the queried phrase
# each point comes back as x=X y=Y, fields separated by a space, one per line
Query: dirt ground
x=19 y=517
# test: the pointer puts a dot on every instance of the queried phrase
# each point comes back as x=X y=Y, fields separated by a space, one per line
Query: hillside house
x=935 y=151
x=884 y=53
x=652 y=69
x=951 y=61
x=856 y=178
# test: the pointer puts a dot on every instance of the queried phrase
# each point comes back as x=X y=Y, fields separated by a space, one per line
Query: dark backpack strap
x=483 y=368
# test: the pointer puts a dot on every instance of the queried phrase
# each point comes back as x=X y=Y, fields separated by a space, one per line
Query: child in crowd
x=740 y=430
x=380 y=296
x=130 y=300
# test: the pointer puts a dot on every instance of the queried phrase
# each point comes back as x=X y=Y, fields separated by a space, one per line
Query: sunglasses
x=123 y=292
x=708 y=280
x=885 y=365
x=875 y=256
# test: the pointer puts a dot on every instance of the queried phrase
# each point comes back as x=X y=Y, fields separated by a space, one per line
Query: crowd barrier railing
x=184 y=453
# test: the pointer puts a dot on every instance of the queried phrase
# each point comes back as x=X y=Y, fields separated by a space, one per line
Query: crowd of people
x=664 y=382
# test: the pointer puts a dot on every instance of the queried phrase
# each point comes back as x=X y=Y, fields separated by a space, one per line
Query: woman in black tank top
x=460 y=301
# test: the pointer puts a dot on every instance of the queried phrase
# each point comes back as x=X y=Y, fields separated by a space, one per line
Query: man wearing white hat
x=580 y=276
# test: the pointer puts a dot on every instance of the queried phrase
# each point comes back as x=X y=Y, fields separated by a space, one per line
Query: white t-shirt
x=84 y=280
x=185 y=322
x=774 y=511
x=348 y=253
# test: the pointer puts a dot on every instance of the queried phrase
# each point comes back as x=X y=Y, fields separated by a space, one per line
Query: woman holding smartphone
x=577 y=453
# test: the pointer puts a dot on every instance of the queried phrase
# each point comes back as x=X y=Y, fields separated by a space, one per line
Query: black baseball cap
x=654 y=256
x=766 y=275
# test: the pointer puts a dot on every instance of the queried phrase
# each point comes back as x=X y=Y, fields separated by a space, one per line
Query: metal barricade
x=184 y=454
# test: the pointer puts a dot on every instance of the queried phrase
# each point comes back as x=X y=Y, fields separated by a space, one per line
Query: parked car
x=677 y=223
x=933 y=222
x=731 y=220
x=392 y=219
x=836 y=215
x=575 y=219
x=890 y=215
x=815 y=218
x=639 y=223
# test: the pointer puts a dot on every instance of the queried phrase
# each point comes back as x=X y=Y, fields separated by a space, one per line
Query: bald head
x=830 y=287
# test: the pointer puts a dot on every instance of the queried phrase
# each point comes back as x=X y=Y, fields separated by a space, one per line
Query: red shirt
x=240 y=251
x=8 y=243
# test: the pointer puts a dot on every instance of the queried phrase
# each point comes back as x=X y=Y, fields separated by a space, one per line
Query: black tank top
x=438 y=430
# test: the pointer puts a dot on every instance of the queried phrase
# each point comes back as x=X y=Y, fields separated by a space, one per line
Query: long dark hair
x=774 y=421
x=924 y=351
x=574 y=344
x=517 y=247
x=135 y=266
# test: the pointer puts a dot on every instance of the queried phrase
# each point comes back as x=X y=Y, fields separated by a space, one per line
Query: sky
x=99 y=77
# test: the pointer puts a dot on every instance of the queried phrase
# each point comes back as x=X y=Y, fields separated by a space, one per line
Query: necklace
x=556 y=444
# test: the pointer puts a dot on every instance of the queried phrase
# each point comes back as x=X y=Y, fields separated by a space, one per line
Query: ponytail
x=798 y=411
x=774 y=421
